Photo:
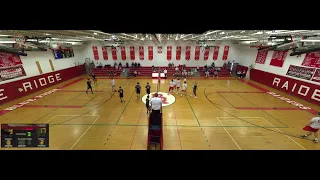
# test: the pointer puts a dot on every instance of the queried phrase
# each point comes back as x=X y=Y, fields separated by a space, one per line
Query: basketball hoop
x=20 y=40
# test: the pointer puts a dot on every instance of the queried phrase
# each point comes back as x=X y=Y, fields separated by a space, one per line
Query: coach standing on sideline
x=156 y=104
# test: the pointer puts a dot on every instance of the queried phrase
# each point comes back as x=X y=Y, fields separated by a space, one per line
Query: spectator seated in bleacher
x=120 y=65
x=139 y=65
x=239 y=74
x=152 y=68
x=132 y=65
x=115 y=64
x=212 y=65
x=127 y=65
x=225 y=65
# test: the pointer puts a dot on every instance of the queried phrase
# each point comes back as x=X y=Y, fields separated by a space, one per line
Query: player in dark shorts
x=138 y=89
x=120 y=91
x=148 y=104
x=89 y=86
x=94 y=78
x=148 y=88
x=195 y=87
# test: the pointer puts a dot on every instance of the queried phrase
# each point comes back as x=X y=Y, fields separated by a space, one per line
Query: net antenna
x=20 y=40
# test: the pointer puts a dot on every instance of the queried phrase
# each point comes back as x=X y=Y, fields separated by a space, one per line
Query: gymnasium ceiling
x=256 y=38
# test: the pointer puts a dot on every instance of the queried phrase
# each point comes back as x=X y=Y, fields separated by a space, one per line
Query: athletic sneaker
x=195 y=97
x=315 y=140
x=303 y=136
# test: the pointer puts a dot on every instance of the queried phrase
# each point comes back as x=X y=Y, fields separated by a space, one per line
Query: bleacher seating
x=147 y=71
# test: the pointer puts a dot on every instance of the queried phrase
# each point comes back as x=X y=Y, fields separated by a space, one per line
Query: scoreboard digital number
x=24 y=135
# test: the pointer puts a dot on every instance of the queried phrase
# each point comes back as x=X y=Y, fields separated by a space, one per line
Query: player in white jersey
x=178 y=85
x=313 y=127
x=184 y=88
x=174 y=85
x=113 y=84
x=171 y=85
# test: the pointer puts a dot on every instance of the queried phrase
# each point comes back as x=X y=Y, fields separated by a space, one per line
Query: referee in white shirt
x=156 y=104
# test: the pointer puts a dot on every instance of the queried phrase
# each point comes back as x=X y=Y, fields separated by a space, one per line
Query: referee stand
x=155 y=129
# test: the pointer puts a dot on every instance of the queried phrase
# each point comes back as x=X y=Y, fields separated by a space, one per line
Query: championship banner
x=216 y=53
x=300 y=72
x=114 y=53
x=197 y=53
x=178 y=53
x=150 y=52
x=188 y=52
x=261 y=56
x=312 y=59
x=12 y=72
x=225 y=53
x=206 y=53
x=159 y=49
x=316 y=76
x=104 y=53
x=123 y=53
x=278 y=58
x=141 y=53
x=169 y=52
x=95 y=52
x=9 y=60
x=132 y=53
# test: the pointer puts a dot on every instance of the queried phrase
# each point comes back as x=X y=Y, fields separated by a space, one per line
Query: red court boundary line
x=70 y=83
x=240 y=92
x=312 y=111
x=262 y=108
x=76 y=91
x=49 y=106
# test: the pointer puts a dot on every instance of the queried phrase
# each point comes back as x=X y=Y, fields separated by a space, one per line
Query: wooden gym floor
x=237 y=119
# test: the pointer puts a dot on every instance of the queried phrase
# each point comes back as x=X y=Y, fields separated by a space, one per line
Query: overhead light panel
x=95 y=33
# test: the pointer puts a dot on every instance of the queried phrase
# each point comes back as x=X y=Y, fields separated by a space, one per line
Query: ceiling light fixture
x=95 y=33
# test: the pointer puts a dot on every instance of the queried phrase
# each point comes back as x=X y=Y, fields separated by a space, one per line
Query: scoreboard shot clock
x=24 y=135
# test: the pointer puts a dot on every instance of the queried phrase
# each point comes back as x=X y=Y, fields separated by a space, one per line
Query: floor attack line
x=286 y=135
x=229 y=134
x=84 y=132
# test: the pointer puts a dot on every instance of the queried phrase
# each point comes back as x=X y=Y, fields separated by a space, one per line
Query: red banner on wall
x=312 y=59
x=9 y=60
x=225 y=53
x=197 y=53
x=123 y=53
x=95 y=52
x=178 y=53
x=10 y=66
x=206 y=53
x=216 y=53
x=169 y=52
x=188 y=52
x=316 y=76
x=150 y=53
x=278 y=58
x=12 y=72
x=261 y=56
x=104 y=53
x=114 y=53
x=132 y=53
x=141 y=53
x=301 y=72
